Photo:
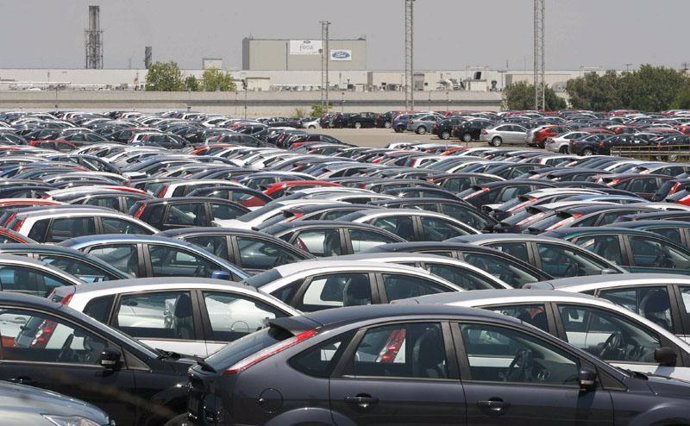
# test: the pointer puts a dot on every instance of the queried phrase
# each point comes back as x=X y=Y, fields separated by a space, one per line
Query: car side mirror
x=587 y=379
x=221 y=275
x=110 y=358
x=665 y=356
x=608 y=271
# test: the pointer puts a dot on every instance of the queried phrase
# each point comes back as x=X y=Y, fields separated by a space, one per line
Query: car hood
x=16 y=398
x=669 y=387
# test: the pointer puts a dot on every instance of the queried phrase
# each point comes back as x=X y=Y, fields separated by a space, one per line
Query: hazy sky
x=449 y=34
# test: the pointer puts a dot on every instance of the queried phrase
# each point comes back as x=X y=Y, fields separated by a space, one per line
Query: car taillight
x=45 y=331
x=392 y=347
x=139 y=211
x=601 y=145
x=162 y=192
x=269 y=352
x=9 y=220
x=17 y=226
x=614 y=182
x=674 y=188
x=295 y=216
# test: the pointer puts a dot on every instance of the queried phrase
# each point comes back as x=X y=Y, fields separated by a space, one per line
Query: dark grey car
x=421 y=365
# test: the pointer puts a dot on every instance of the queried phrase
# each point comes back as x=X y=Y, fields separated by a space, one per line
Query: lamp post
x=342 y=102
x=244 y=85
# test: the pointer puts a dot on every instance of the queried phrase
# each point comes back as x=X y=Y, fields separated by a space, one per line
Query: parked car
x=185 y=212
x=504 y=134
x=395 y=363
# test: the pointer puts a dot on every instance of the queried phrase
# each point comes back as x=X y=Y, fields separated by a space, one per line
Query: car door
x=62 y=229
x=513 y=377
x=228 y=316
x=168 y=320
x=52 y=352
x=399 y=373
x=616 y=339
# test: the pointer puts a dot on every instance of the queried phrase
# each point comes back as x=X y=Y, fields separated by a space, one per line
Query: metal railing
x=670 y=153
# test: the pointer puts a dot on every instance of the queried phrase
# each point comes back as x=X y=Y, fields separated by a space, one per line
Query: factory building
x=303 y=55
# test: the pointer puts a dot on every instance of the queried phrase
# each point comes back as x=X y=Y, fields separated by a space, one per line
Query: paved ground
x=377 y=138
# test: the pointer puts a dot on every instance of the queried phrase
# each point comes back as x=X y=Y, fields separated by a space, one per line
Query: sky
x=449 y=34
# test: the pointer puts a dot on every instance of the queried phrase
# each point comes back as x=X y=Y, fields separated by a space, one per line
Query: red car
x=548 y=132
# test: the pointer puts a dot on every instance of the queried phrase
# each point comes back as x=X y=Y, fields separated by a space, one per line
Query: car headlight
x=71 y=420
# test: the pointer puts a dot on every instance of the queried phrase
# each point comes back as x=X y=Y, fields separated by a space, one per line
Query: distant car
x=504 y=134
x=428 y=364
x=192 y=316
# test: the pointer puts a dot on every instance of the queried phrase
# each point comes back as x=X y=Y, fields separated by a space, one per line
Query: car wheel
x=358 y=125
x=445 y=135
x=312 y=127
x=466 y=137
x=496 y=141
x=400 y=129
x=564 y=150
x=587 y=152
x=421 y=130
x=387 y=124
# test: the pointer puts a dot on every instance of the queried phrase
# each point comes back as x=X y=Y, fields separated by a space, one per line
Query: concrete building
x=303 y=55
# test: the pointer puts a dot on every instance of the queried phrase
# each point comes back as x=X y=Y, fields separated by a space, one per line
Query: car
x=255 y=218
x=331 y=211
x=185 y=212
x=444 y=127
x=87 y=268
x=673 y=230
x=459 y=210
x=632 y=249
x=412 y=224
x=142 y=256
x=246 y=197
x=312 y=285
x=556 y=257
x=503 y=266
x=59 y=349
x=53 y=224
x=323 y=238
x=396 y=364
x=628 y=340
x=561 y=142
x=422 y=124
x=193 y=316
x=250 y=250
x=24 y=404
x=502 y=191
x=470 y=130
x=504 y=133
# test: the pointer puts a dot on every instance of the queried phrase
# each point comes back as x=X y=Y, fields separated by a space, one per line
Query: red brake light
x=162 y=192
x=269 y=352
x=295 y=216
x=392 y=347
x=17 y=226
x=139 y=211
x=43 y=335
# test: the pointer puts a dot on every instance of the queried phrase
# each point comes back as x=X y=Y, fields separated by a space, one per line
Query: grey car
x=421 y=364
x=504 y=134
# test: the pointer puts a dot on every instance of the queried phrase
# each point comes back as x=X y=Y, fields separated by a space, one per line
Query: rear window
x=246 y=346
x=99 y=308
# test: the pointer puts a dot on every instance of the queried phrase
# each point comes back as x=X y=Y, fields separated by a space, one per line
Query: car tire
x=445 y=135
x=466 y=137
x=564 y=150
x=311 y=127
x=421 y=130
x=587 y=152
x=496 y=141
x=386 y=124
x=399 y=129
x=358 y=125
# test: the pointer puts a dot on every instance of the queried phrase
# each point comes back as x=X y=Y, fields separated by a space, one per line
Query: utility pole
x=539 y=56
x=325 y=56
x=409 y=55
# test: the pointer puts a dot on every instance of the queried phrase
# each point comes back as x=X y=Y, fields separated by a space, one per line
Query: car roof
x=501 y=297
x=595 y=281
x=486 y=238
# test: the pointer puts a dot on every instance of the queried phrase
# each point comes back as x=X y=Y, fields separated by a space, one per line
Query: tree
x=192 y=84
x=164 y=77
x=682 y=101
x=214 y=80
x=520 y=96
x=652 y=88
x=594 y=92
x=318 y=110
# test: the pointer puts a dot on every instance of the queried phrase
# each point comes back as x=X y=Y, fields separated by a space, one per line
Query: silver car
x=504 y=134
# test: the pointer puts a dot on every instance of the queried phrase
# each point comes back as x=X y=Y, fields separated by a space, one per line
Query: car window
x=672 y=234
x=463 y=277
x=80 y=269
x=99 y=308
x=336 y=290
x=399 y=286
x=113 y=225
x=364 y=240
x=65 y=228
x=319 y=242
x=560 y=262
x=402 y=226
x=497 y=354
x=501 y=268
x=319 y=360
x=124 y=257
x=191 y=214
x=233 y=316
x=176 y=262
x=38 y=231
x=164 y=315
x=414 y=350
x=464 y=215
x=261 y=254
x=437 y=229
x=606 y=246
x=28 y=280
x=29 y=336
x=654 y=254
x=531 y=314
x=109 y=202
x=652 y=303
x=225 y=211
x=518 y=250
x=215 y=244
x=607 y=335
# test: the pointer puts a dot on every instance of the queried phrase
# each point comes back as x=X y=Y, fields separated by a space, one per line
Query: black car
x=470 y=130
x=444 y=128
x=48 y=345
x=421 y=364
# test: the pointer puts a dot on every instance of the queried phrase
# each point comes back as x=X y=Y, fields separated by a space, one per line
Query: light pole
x=342 y=102
x=244 y=85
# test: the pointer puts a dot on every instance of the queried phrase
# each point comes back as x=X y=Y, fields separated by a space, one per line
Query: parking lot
x=379 y=138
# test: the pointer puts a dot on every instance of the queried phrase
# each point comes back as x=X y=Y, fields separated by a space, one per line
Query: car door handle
x=494 y=405
x=362 y=400
x=23 y=380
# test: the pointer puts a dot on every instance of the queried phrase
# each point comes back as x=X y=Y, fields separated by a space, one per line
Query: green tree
x=520 y=96
x=594 y=92
x=214 y=80
x=191 y=83
x=318 y=110
x=652 y=88
x=682 y=101
x=164 y=77
x=300 y=113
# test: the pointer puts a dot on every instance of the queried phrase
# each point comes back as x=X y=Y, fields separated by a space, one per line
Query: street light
x=244 y=85
x=342 y=102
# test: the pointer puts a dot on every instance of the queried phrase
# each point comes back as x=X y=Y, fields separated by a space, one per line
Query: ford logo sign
x=340 y=54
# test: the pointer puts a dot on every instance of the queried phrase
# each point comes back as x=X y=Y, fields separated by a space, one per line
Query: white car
x=504 y=134
x=561 y=143
x=192 y=316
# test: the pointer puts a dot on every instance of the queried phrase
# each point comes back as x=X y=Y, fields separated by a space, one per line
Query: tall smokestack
x=94 y=39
